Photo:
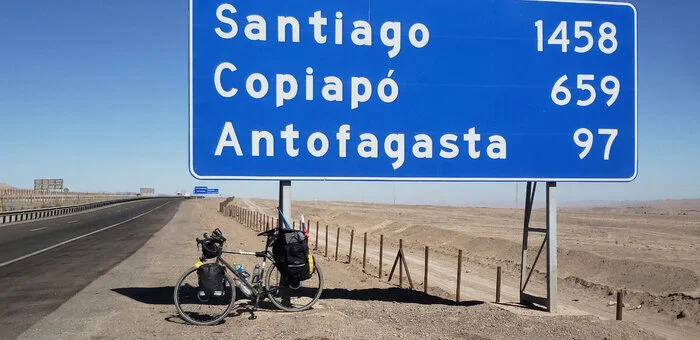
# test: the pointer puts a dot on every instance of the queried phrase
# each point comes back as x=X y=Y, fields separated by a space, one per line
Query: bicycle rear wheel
x=293 y=297
x=197 y=308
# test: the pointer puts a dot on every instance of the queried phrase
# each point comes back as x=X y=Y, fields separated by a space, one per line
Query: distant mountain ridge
x=4 y=186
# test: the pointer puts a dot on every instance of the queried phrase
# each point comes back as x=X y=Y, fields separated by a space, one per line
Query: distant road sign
x=147 y=191
x=213 y=191
x=200 y=190
x=507 y=90
x=48 y=184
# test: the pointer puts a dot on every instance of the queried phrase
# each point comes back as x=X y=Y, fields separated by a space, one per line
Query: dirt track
x=133 y=300
x=649 y=251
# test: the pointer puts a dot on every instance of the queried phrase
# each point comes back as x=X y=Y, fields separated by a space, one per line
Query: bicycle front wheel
x=195 y=307
x=293 y=297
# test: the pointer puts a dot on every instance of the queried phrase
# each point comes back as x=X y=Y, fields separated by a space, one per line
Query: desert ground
x=134 y=300
x=650 y=250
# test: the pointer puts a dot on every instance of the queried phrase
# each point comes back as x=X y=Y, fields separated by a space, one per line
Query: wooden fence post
x=337 y=240
x=364 y=254
x=618 y=314
x=352 y=236
x=400 y=264
x=498 y=284
x=425 y=276
x=459 y=273
x=316 y=244
x=381 y=252
x=326 y=248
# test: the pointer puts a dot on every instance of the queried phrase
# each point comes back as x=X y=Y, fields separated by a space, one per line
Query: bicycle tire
x=185 y=316
x=317 y=270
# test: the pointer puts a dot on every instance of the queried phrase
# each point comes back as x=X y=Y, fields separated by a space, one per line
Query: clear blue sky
x=95 y=92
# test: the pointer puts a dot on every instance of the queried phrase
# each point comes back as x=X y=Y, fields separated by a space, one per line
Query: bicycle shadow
x=164 y=296
x=394 y=294
x=158 y=295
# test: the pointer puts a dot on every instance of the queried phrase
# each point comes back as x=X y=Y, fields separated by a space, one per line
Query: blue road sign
x=442 y=90
x=200 y=190
x=213 y=191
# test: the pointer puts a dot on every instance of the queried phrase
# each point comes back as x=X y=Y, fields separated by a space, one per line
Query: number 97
x=584 y=139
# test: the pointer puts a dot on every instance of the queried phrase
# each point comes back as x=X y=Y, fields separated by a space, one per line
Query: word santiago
x=286 y=86
x=394 y=146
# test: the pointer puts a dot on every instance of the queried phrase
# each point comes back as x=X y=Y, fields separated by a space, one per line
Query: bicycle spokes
x=198 y=306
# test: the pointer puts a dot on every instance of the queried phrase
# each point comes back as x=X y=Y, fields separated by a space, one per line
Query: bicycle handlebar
x=268 y=232
x=216 y=237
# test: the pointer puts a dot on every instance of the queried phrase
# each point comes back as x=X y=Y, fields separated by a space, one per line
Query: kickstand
x=251 y=310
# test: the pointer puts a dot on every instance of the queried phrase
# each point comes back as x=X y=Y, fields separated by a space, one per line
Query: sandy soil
x=133 y=300
x=649 y=251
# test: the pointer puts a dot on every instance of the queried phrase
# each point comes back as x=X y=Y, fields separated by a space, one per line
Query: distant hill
x=4 y=186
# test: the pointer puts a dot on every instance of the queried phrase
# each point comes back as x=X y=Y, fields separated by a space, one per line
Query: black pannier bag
x=211 y=279
x=291 y=253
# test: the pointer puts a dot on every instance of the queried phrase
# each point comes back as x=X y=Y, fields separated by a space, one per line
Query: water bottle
x=242 y=287
x=256 y=274
x=242 y=272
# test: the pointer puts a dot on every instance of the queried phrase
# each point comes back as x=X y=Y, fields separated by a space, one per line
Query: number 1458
x=607 y=43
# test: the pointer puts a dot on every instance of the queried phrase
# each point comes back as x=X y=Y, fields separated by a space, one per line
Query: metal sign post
x=285 y=201
x=550 y=240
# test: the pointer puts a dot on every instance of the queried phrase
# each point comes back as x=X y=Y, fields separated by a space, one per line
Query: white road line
x=37 y=229
x=72 y=222
x=77 y=238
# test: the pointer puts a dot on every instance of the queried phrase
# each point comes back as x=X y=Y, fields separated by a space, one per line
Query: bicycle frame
x=257 y=293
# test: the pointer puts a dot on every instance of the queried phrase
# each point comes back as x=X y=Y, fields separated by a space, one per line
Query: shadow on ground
x=392 y=295
x=164 y=295
x=149 y=295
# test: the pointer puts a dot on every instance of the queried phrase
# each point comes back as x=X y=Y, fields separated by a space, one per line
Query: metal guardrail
x=33 y=214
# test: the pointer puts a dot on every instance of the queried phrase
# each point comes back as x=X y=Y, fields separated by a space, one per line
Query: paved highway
x=44 y=263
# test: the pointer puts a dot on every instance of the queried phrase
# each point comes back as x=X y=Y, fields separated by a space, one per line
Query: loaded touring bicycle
x=286 y=275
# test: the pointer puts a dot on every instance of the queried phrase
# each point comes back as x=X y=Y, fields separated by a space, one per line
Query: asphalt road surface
x=44 y=263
